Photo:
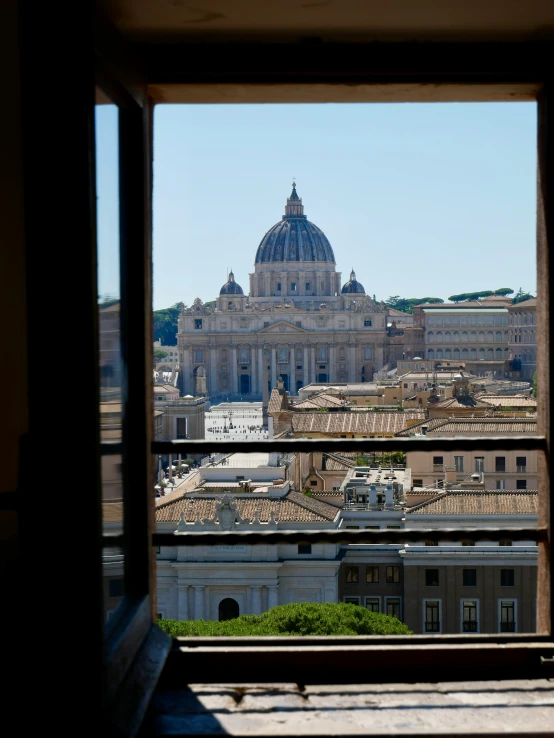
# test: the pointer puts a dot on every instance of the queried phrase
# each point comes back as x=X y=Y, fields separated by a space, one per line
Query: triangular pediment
x=282 y=327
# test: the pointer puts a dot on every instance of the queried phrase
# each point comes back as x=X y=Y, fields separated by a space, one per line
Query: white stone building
x=297 y=322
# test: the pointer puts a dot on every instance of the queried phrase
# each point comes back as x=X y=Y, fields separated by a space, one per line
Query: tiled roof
x=293 y=507
x=525 y=304
x=479 y=503
x=323 y=399
x=473 y=426
x=461 y=402
x=364 y=423
x=277 y=401
x=507 y=400
x=112 y=512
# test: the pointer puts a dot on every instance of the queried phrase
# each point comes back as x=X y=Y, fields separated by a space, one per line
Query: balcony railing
x=470 y=626
x=507 y=627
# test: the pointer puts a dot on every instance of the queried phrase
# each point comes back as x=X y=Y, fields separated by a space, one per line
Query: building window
x=278 y=286
x=393 y=608
x=351 y=600
x=438 y=460
x=500 y=484
x=293 y=286
x=373 y=604
x=298 y=324
x=313 y=482
x=418 y=483
x=468 y=543
x=431 y=577
x=367 y=353
x=367 y=323
x=116 y=588
x=479 y=463
x=459 y=463
x=470 y=623
x=521 y=484
x=393 y=574
x=372 y=574
x=198 y=324
x=308 y=286
x=266 y=323
x=500 y=464
x=507 y=616
x=198 y=355
x=507 y=577
x=351 y=573
x=469 y=577
x=432 y=616
x=505 y=542
x=391 y=527
x=304 y=548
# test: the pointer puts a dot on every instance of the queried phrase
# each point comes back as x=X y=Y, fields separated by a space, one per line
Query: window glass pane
x=110 y=364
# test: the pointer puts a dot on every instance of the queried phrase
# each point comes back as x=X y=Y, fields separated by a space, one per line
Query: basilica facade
x=298 y=322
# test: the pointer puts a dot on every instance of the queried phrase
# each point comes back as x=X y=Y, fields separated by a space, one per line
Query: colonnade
x=198 y=609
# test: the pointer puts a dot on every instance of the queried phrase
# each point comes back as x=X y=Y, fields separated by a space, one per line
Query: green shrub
x=298 y=618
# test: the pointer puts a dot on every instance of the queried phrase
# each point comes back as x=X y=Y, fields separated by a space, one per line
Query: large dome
x=294 y=238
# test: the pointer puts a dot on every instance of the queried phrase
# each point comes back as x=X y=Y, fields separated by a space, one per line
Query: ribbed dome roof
x=294 y=238
x=353 y=286
x=231 y=287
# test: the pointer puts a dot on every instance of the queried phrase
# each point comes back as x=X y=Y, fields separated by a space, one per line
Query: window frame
x=417 y=69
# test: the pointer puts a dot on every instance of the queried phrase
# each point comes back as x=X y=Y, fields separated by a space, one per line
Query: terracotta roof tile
x=361 y=423
x=486 y=502
x=293 y=507
x=473 y=426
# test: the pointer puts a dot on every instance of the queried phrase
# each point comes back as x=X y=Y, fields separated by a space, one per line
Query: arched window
x=447 y=354
x=498 y=336
x=439 y=337
x=198 y=355
x=228 y=609
x=430 y=337
x=244 y=354
x=473 y=353
x=464 y=336
x=456 y=353
x=430 y=354
x=367 y=352
x=506 y=353
x=490 y=354
x=465 y=353
x=439 y=353
x=481 y=336
x=499 y=354
x=481 y=353
x=456 y=337
x=447 y=337
x=473 y=335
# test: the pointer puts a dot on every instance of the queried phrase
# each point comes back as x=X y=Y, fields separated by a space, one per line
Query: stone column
x=213 y=383
x=352 y=363
x=273 y=367
x=256 y=599
x=312 y=362
x=187 y=369
x=253 y=371
x=292 y=370
x=234 y=380
x=261 y=370
x=331 y=356
x=199 y=602
x=272 y=597
x=305 y=368
x=183 y=602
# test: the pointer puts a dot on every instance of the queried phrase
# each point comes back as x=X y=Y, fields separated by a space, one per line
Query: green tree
x=534 y=386
x=504 y=291
x=165 y=324
x=521 y=296
x=298 y=618
x=159 y=354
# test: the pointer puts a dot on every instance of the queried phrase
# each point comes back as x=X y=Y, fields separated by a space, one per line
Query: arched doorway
x=228 y=609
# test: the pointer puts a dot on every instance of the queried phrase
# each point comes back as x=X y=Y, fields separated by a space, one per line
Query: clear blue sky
x=422 y=200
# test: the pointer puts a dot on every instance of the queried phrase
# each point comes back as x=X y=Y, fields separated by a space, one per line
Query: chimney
x=372 y=497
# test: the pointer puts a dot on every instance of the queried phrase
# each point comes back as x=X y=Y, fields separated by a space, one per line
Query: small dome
x=353 y=286
x=231 y=287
